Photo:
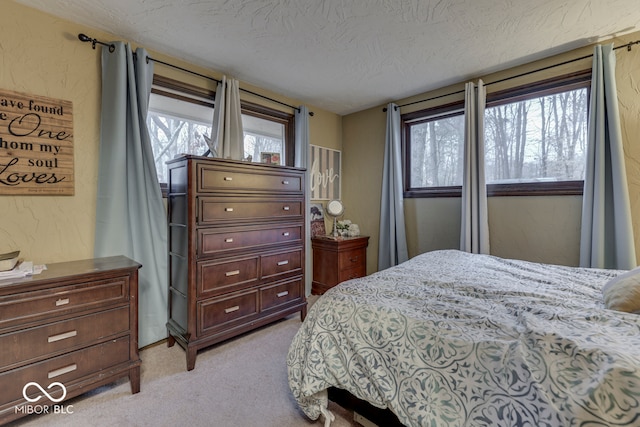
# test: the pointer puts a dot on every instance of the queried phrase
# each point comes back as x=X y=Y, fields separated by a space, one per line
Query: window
x=180 y=119
x=535 y=141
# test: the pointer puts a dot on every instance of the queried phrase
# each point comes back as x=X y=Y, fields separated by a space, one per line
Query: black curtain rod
x=628 y=46
x=112 y=47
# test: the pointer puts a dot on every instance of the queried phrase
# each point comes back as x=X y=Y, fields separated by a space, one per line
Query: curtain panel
x=474 y=229
x=130 y=213
x=227 y=135
x=392 y=249
x=606 y=239
x=301 y=160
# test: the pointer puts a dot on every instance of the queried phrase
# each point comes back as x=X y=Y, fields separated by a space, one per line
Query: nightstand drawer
x=28 y=306
x=282 y=263
x=212 y=241
x=276 y=295
x=351 y=259
x=214 y=210
x=63 y=369
x=352 y=273
x=216 y=278
x=210 y=179
x=214 y=313
x=60 y=336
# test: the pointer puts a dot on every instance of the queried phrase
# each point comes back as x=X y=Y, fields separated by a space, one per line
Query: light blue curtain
x=392 y=249
x=301 y=160
x=474 y=230
x=130 y=214
x=227 y=135
x=606 y=239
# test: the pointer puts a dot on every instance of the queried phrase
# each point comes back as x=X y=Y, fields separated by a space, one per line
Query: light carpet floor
x=239 y=383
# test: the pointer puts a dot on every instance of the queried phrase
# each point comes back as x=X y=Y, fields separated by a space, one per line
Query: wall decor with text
x=325 y=173
x=36 y=145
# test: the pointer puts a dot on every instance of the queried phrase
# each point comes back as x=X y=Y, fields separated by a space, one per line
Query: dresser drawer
x=216 y=278
x=282 y=263
x=63 y=369
x=215 y=240
x=219 y=209
x=218 y=312
x=278 y=294
x=28 y=306
x=31 y=344
x=260 y=180
x=351 y=258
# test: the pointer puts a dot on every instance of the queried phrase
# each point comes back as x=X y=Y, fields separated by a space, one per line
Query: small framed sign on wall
x=325 y=173
x=36 y=145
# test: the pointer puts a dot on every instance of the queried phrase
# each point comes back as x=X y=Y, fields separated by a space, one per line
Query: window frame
x=176 y=89
x=550 y=86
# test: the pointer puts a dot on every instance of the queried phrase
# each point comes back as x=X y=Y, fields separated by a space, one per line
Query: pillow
x=622 y=293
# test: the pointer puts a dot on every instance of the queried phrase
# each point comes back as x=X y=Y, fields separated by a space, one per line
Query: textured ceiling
x=349 y=55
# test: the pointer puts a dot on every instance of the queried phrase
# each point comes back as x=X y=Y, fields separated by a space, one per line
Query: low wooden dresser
x=336 y=259
x=75 y=324
x=236 y=251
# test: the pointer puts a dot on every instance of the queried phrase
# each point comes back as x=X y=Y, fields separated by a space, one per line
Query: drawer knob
x=285 y=182
x=62 y=301
x=232 y=309
x=228 y=178
x=286 y=208
x=62 y=371
x=285 y=262
x=228 y=209
x=228 y=240
x=63 y=336
x=232 y=273
x=282 y=294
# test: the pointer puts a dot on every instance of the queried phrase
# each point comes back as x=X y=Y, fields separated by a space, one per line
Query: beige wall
x=543 y=229
x=41 y=54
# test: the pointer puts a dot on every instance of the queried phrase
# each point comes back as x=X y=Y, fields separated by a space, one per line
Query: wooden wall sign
x=36 y=145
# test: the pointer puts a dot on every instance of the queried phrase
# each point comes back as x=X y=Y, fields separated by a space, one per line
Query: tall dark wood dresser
x=236 y=248
x=75 y=324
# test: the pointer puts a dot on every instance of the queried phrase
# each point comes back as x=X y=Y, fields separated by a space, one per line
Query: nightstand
x=336 y=259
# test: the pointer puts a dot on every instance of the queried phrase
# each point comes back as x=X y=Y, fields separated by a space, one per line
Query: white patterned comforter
x=454 y=339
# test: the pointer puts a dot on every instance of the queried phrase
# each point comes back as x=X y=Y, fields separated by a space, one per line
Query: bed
x=450 y=338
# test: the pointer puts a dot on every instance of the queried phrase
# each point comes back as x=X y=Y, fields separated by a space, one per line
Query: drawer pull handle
x=285 y=234
x=285 y=182
x=228 y=178
x=285 y=262
x=286 y=208
x=63 y=336
x=62 y=371
x=232 y=273
x=282 y=294
x=228 y=209
x=232 y=309
x=228 y=240
x=354 y=259
x=62 y=301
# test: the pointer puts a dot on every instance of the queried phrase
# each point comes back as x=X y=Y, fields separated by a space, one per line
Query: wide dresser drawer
x=28 y=345
x=210 y=179
x=213 y=210
x=215 y=240
x=31 y=306
x=63 y=369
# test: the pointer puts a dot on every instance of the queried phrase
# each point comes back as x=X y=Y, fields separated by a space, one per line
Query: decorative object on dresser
x=236 y=248
x=336 y=260
x=70 y=329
